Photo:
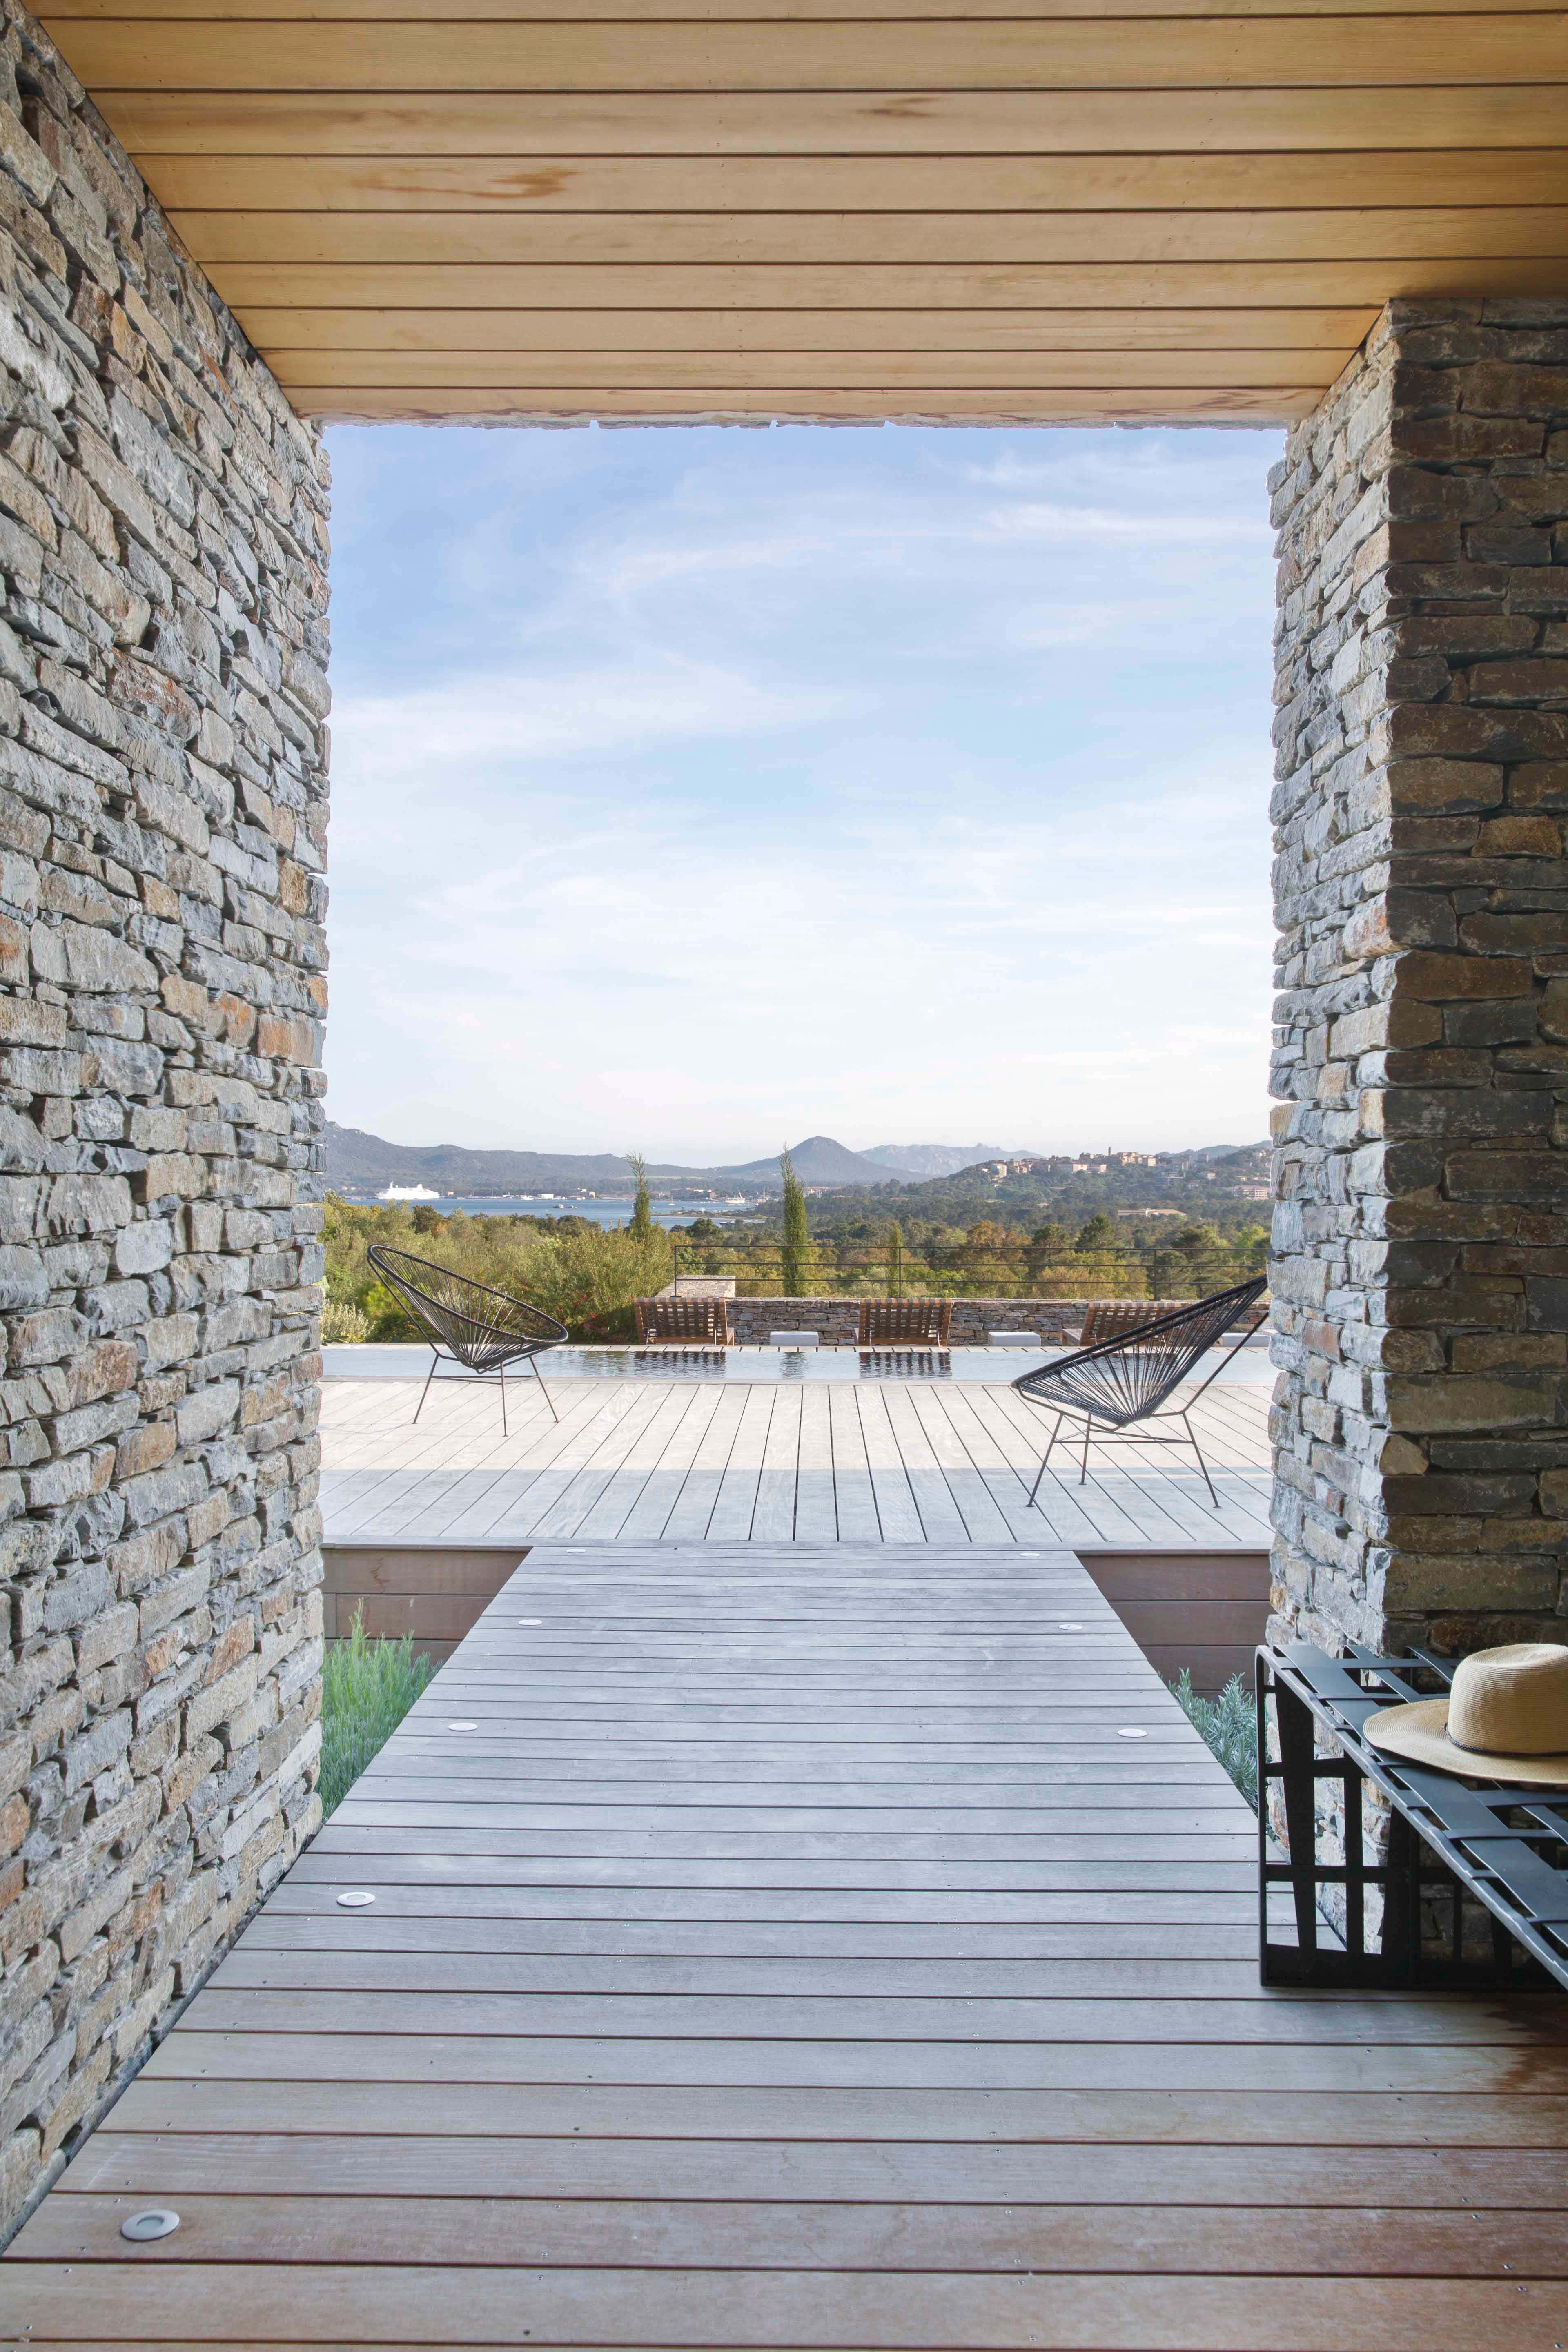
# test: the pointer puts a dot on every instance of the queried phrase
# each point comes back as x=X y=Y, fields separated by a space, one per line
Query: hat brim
x=1419 y=1733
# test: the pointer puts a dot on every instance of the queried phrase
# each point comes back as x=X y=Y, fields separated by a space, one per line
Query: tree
x=795 y=1252
x=1047 y=1243
x=641 y=1225
x=1253 y=1243
x=1098 y=1234
x=1171 y=1276
x=1196 y=1241
x=895 y=1285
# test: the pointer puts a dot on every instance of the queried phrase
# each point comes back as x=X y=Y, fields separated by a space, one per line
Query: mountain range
x=354 y=1162
x=357 y=1162
x=942 y=1159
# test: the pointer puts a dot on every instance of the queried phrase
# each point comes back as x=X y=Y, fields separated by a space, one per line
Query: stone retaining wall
x=162 y=809
x=1420 y=1279
x=837 y=1321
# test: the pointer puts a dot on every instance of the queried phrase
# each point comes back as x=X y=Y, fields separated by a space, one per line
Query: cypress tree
x=641 y=1226
x=795 y=1254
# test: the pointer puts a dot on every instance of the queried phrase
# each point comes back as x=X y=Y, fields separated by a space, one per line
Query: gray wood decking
x=795 y=1950
x=915 y=1462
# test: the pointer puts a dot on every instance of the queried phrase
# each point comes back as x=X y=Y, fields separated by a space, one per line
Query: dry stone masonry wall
x=1421 y=1172
x=162 y=809
x=837 y=1321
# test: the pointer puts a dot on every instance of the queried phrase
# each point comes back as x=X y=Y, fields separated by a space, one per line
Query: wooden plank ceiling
x=759 y=208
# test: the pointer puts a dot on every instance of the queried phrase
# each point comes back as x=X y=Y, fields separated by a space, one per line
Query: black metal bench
x=1505 y=1847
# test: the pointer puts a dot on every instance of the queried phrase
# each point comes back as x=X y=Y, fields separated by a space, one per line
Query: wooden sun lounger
x=681 y=1322
x=1108 y=1319
x=905 y=1322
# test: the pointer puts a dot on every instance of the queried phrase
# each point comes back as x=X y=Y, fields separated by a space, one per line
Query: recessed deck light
x=1130 y=1731
x=154 y=2221
x=463 y=1726
x=354 y=1900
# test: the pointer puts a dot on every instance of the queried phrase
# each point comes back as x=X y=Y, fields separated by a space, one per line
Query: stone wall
x=1421 y=1227
x=162 y=806
x=837 y=1321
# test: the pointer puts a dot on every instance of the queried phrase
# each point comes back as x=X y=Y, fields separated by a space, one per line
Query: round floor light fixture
x=355 y=1899
x=154 y=2221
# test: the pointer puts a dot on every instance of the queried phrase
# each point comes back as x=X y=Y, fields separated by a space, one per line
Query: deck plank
x=735 y=1504
x=693 y=1507
x=591 y=1467
x=472 y=2304
x=856 y=1462
x=605 y=1520
x=772 y=1520
x=796 y=1955
x=896 y=1512
x=649 y=1514
x=855 y=1498
x=816 y=1510
x=1114 y=2240
x=941 y=1518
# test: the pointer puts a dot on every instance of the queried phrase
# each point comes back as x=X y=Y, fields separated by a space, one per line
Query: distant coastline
x=596 y=1209
x=356 y=1163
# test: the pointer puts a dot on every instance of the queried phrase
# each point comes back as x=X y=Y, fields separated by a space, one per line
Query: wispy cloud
x=1036 y=518
x=517 y=721
x=696 y=789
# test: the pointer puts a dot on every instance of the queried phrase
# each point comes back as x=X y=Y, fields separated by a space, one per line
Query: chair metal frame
x=1126 y=1380
x=469 y=1324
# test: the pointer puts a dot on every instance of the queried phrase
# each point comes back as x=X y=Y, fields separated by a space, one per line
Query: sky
x=698 y=790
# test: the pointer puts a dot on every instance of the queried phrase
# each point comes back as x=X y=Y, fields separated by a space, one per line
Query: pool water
x=1250 y=1365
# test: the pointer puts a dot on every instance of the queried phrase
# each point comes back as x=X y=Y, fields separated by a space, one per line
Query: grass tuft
x=367 y=1688
x=1228 y=1725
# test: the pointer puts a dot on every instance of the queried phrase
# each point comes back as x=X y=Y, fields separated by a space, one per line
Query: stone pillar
x=162 y=827
x=1421 y=1167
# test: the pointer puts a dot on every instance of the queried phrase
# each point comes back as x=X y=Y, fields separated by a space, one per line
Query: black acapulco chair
x=466 y=1323
x=1128 y=1379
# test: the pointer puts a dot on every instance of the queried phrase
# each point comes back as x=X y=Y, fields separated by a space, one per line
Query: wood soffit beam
x=1188 y=211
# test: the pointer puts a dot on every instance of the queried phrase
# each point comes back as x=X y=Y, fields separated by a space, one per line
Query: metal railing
x=858 y=1271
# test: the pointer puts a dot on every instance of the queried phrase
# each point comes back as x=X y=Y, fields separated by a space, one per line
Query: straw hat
x=1505 y=1718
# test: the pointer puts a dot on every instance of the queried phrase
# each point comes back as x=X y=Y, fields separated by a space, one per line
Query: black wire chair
x=1128 y=1380
x=467 y=1323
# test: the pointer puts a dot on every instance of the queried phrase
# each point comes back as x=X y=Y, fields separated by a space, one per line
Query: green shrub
x=1228 y=1725
x=344 y=1325
x=367 y=1688
x=584 y=1277
x=571 y=1269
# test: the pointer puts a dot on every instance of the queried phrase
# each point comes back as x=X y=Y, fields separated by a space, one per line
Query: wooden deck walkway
x=780 y=1947
x=919 y=1461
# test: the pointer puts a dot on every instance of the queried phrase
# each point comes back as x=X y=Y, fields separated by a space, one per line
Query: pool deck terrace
x=775 y=1946
x=671 y=1456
